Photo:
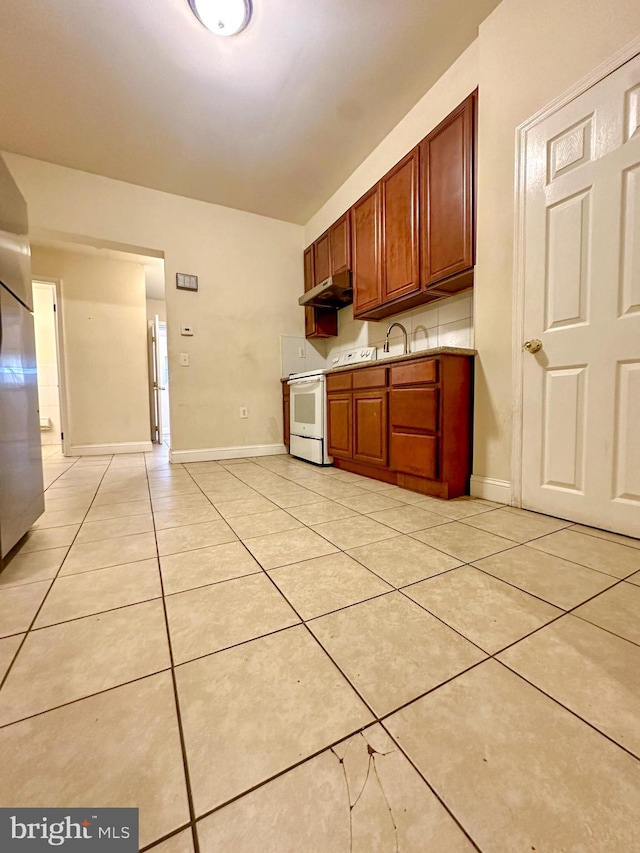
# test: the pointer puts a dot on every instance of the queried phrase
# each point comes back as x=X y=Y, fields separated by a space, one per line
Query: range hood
x=334 y=292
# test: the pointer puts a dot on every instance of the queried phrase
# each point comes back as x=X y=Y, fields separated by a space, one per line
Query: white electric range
x=308 y=407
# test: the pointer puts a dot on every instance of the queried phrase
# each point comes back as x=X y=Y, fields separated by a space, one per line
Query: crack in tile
x=346 y=782
x=384 y=796
x=372 y=752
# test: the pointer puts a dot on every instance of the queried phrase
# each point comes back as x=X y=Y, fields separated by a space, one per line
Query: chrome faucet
x=385 y=348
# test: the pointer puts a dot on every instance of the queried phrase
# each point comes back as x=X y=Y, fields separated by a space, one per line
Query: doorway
x=159 y=381
x=578 y=305
x=49 y=366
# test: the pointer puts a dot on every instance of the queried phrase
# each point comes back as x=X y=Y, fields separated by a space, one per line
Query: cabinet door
x=308 y=269
x=309 y=315
x=447 y=207
x=365 y=231
x=340 y=244
x=339 y=424
x=400 y=257
x=322 y=258
x=370 y=427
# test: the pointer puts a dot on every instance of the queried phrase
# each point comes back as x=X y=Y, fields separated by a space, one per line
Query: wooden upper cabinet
x=411 y=238
x=309 y=314
x=318 y=322
x=446 y=202
x=340 y=244
x=400 y=237
x=365 y=247
x=308 y=269
x=322 y=258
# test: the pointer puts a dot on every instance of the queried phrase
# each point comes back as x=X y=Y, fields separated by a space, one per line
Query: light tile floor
x=266 y=656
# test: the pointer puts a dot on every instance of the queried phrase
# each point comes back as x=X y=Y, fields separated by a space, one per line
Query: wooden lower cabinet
x=413 y=430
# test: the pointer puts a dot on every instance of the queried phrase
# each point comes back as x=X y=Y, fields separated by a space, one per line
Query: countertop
x=393 y=359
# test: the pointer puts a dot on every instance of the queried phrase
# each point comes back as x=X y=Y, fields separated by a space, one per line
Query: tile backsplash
x=298 y=355
x=448 y=322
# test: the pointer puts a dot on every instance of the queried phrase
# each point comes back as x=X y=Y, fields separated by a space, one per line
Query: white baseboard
x=215 y=454
x=106 y=449
x=491 y=490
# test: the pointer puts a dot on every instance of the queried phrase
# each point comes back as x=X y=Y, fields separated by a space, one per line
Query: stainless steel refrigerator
x=21 y=487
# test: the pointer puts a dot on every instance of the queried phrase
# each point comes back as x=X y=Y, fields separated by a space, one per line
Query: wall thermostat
x=185 y=281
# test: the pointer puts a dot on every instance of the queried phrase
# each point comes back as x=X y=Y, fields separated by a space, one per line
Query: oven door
x=307 y=407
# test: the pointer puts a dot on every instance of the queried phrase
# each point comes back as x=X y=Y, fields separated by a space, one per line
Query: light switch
x=184 y=359
x=187 y=331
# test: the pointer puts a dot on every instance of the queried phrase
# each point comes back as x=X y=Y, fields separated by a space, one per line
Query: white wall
x=103 y=315
x=250 y=277
x=452 y=88
x=157 y=306
x=47 y=361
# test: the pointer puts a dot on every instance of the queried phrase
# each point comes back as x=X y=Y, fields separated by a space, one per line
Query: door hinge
x=54 y=308
x=62 y=436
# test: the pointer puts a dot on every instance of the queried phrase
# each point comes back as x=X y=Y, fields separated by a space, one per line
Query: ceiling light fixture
x=222 y=17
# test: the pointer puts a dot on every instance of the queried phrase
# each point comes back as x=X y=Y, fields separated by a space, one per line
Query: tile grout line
x=431 y=788
x=375 y=715
x=340 y=550
x=52 y=580
x=570 y=710
x=302 y=621
x=183 y=746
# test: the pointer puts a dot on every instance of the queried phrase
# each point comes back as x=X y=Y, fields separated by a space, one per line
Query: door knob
x=533 y=345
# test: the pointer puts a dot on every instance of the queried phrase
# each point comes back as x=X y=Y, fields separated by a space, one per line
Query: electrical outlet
x=243 y=412
x=301 y=352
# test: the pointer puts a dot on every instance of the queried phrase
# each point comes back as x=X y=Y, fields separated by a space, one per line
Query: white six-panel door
x=581 y=389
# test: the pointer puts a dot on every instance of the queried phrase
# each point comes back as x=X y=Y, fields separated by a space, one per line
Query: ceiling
x=272 y=120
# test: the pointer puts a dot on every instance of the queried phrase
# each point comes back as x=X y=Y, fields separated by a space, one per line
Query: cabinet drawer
x=339 y=381
x=414 y=409
x=370 y=377
x=414 y=454
x=415 y=372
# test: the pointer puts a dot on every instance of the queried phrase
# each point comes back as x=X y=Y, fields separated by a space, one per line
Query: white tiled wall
x=49 y=403
x=298 y=355
x=448 y=322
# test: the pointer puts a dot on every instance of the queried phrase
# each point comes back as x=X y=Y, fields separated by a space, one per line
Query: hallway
x=263 y=655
